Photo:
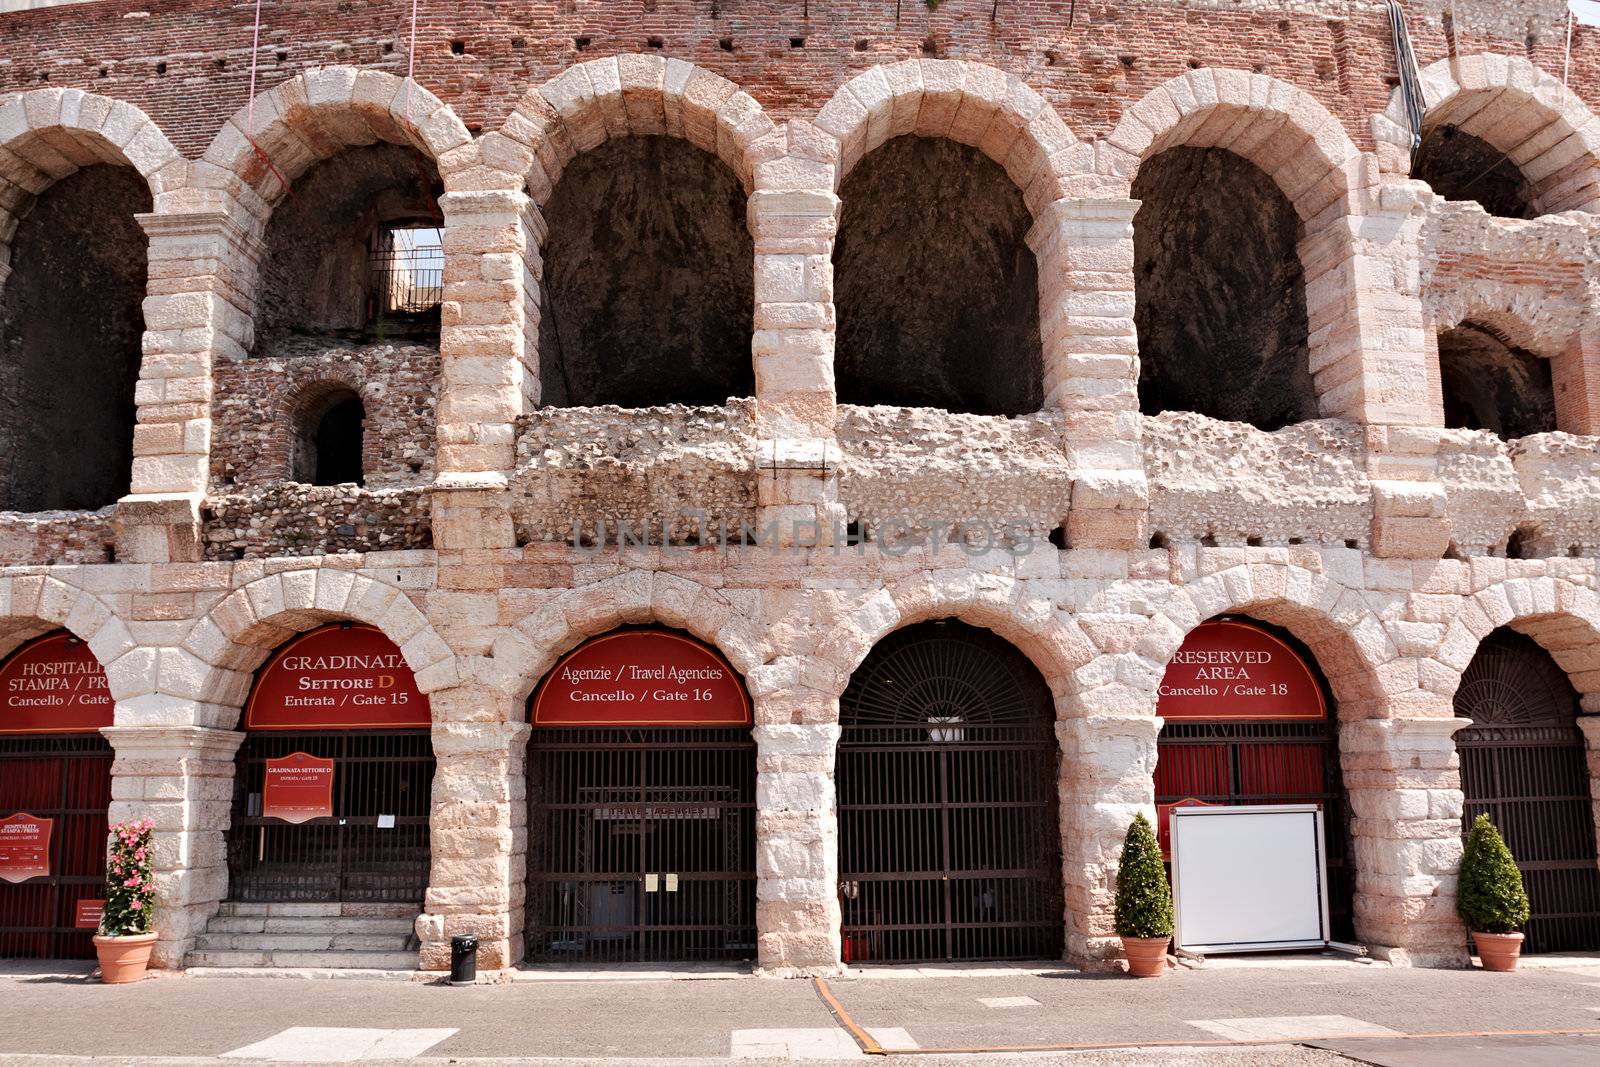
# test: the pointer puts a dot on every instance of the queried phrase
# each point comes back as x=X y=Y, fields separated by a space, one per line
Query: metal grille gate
x=347 y=857
x=1523 y=761
x=67 y=778
x=1266 y=763
x=949 y=847
x=641 y=844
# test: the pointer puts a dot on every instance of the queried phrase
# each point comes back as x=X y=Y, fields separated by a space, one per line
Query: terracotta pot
x=1147 y=956
x=1498 y=952
x=123 y=959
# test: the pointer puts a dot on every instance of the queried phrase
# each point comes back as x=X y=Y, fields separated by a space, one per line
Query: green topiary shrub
x=1489 y=894
x=1144 y=901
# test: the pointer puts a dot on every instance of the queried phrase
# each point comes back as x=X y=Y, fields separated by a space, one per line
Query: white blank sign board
x=1249 y=878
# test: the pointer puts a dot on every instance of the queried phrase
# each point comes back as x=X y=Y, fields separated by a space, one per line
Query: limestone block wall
x=1482 y=491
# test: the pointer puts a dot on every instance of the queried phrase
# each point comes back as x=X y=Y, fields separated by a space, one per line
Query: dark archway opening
x=329 y=437
x=1459 y=166
x=648 y=291
x=1220 y=300
x=936 y=288
x=1524 y=762
x=71 y=326
x=949 y=845
x=1490 y=385
x=334 y=264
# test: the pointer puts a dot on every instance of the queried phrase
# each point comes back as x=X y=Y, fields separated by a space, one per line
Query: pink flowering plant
x=130 y=896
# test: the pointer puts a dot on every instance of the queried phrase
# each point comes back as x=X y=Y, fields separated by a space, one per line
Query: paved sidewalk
x=1298 y=1014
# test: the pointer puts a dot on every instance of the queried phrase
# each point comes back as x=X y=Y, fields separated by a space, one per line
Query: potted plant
x=124 y=939
x=1144 y=902
x=1490 y=897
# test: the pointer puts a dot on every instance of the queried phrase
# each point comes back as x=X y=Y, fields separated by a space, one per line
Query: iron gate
x=641 y=844
x=1523 y=761
x=1266 y=763
x=949 y=847
x=353 y=856
x=66 y=777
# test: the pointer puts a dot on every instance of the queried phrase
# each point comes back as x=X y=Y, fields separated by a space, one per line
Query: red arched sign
x=1230 y=670
x=54 y=686
x=641 y=678
x=338 y=677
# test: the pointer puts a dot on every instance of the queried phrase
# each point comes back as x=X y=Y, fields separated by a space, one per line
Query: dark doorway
x=67 y=778
x=338 y=437
x=949 y=847
x=1523 y=761
x=641 y=844
x=353 y=856
x=1220 y=299
x=1459 y=166
x=1490 y=385
x=936 y=288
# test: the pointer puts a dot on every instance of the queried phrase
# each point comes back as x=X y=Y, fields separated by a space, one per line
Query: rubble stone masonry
x=1376 y=536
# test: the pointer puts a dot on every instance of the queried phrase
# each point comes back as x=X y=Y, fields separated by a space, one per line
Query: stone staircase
x=321 y=936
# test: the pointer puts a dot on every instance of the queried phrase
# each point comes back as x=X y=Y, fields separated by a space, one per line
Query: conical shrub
x=1489 y=894
x=1144 y=900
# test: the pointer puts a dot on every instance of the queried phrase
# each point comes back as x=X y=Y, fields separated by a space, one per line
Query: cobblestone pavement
x=1309 y=1013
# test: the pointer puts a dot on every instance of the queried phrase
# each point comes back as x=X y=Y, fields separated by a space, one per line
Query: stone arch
x=521 y=656
x=1279 y=128
x=1348 y=641
x=47 y=134
x=216 y=662
x=31 y=605
x=300 y=403
x=619 y=96
x=1519 y=110
x=994 y=602
x=1562 y=616
x=312 y=117
x=969 y=103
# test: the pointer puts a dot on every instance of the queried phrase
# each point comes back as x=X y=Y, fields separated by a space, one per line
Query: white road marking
x=1274 y=1027
x=812 y=1044
x=1008 y=1002
x=340 y=1044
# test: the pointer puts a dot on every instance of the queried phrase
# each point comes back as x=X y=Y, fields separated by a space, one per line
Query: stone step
x=232 y=908
x=307 y=924
x=380 y=961
x=309 y=942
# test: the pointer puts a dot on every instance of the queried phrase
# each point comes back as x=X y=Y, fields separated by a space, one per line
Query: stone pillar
x=1369 y=359
x=1576 y=374
x=202 y=265
x=792 y=221
x=1091 y=363
x=478 y=828
x=181 y=778
x=1402 y=780
x=1107 y=776
x=1590 y=725
x=797 y=843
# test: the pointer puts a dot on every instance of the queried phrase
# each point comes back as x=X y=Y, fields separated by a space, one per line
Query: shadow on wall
x=936 y=289
x=648 y=292
x=1220 y=300
x=1459 y=166
x=71 y=324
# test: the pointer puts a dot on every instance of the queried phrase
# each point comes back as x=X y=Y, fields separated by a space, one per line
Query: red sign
x=1164 y=820
x=336 y=677
x=89 y=914
x=297 y=788
x=1233 y=670
x=53 y=686
x=24 y=847
x=642 y=678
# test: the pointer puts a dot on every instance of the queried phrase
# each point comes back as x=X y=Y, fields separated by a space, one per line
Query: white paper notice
x=386 y=822
x=649 y=883
x=672 y=883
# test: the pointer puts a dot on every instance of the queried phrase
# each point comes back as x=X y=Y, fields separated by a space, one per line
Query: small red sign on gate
x=297 y=788
x=24 y=847
x=1164 y=820
x=89 y=914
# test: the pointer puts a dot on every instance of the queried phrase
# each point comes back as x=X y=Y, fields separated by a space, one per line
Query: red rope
x=250 y=109
x=411 y=62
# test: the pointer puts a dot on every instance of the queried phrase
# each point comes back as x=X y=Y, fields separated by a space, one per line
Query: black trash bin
x=463 y=959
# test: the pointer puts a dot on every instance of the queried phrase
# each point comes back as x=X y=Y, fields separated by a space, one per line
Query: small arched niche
x=1459 y=166
x=1489 y=384
x=936 y=288
x=329 y=436
x=356 y=251
x=648 y=289
x=71 y=326
x=1220 y=300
